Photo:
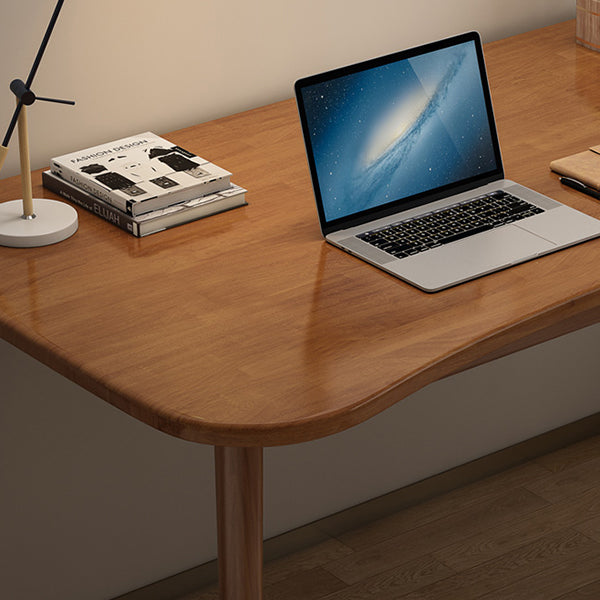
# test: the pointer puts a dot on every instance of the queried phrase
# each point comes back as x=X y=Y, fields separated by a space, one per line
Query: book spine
x=89 y=185
x=98 y=207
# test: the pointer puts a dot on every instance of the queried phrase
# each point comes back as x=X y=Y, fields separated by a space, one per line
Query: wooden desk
x=246 y=330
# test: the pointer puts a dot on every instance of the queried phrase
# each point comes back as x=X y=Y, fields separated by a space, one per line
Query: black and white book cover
x=141 y=173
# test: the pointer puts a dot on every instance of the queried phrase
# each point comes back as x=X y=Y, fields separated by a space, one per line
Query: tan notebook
x=583 y=166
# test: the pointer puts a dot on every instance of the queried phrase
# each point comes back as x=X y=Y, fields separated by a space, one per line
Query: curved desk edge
x=570 y=316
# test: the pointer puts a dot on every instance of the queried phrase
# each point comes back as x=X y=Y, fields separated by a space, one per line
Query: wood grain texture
x=588 y=19
x=247 y=329
x=239 y=483
x=477 y=542
x=24 y=162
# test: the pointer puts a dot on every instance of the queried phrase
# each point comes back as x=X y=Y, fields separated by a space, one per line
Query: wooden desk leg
x=239 y=478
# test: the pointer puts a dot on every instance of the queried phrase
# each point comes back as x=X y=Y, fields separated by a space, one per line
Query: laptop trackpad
x=562 y=225
x=478 y=255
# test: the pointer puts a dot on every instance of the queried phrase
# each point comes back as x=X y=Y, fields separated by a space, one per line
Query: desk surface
x=247 y=329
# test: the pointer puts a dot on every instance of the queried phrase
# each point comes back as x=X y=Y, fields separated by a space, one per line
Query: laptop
x=407 y=174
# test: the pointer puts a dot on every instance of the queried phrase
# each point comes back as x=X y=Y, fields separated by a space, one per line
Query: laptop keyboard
x=446 y=225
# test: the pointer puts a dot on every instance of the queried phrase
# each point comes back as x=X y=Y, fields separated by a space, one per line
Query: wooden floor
x=531 y=533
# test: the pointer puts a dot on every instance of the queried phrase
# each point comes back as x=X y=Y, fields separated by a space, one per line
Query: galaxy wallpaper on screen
x=402 y=128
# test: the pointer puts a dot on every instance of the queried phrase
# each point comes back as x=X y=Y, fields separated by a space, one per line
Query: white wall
x=93 y=503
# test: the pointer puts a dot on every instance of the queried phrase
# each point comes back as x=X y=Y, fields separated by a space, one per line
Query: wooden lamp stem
x=25 y=165
x=3 y=153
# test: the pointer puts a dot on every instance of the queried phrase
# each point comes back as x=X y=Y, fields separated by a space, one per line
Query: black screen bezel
x=406 y=203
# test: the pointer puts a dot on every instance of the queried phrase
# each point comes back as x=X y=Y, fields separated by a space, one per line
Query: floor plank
x=511 y=568
x=445 y=505
x=560 y=582
x=509 y=536
x=437 y=534
x=531 y=532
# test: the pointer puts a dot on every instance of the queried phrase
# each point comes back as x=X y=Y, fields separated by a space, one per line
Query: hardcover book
x=141 y=173
x=154 y=221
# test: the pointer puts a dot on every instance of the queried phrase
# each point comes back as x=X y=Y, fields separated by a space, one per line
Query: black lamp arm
x=12 y=124
x=42 y=49
x=27 y=85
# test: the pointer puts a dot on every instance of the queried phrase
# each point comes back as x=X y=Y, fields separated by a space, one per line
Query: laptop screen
x=395 y=131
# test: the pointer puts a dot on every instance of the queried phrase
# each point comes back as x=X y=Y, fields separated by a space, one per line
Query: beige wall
x=140 y=65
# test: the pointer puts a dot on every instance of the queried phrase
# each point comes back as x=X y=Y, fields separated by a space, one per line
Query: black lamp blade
x=56 y=100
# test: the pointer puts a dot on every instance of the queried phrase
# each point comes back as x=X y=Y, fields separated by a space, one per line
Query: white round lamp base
x=54 y=222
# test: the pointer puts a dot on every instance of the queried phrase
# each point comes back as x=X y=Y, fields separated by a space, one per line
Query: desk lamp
x=31 y=222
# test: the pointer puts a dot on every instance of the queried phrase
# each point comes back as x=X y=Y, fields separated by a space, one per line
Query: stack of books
x=143 y=184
